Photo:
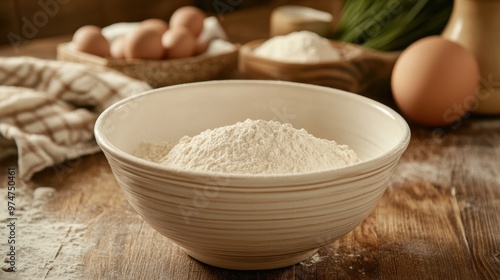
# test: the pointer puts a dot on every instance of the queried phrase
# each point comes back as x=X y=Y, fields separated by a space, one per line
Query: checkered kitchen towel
x=48 y=109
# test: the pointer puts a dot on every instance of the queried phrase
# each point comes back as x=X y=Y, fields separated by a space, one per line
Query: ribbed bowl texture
x=251 y=222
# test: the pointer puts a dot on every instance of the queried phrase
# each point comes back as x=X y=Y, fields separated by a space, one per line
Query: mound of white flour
x=251 y=147
x=299 y=47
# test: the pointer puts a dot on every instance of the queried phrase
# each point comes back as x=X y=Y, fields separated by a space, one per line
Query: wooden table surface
x=438 y=219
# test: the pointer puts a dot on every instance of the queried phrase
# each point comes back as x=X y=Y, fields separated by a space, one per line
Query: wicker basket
x=159 y=73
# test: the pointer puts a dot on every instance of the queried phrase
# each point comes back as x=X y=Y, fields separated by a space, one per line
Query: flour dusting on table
x=314 y=259
x=46 y=248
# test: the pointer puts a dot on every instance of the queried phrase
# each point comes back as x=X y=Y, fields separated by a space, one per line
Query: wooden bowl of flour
x=358 y=70
x=252 y=221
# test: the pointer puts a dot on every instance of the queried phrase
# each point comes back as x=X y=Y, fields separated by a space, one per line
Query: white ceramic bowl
x=243 y=221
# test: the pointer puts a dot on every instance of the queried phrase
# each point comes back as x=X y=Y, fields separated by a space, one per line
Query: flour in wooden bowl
x=298 y=47
x=251 y=147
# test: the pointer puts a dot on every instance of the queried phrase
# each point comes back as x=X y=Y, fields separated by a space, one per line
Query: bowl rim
x=156 y=168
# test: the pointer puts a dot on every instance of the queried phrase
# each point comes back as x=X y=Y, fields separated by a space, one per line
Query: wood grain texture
x=358 y=69
x=437 y=220
x=41 y=48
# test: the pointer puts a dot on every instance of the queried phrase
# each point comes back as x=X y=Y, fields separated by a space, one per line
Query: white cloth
x=48 y=109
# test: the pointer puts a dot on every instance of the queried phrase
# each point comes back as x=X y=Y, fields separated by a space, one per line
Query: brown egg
x=201 y=47
x=178 y=42
x=434 y=81
x=190 y=17
x=143 y=43
x=89 y=39
x=158 y=24
x=116 y=49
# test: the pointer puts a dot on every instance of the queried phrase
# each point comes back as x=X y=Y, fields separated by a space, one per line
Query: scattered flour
x=153 y=151
x=299 y=46
x=46 y=248
x=251 y=147
x=314 y=259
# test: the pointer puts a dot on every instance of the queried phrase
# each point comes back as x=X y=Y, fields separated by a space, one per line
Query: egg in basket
x=190 y=47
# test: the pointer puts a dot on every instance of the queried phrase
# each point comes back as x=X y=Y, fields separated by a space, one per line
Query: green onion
x=389 y=25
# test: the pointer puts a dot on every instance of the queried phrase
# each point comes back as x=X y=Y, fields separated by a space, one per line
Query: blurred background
x=45 y=18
